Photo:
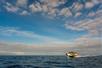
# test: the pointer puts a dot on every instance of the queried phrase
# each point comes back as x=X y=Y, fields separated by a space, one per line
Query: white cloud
x=72 y=26
x=78 y=6
x=46 y=5
x=45 y=8
x=78 y=14
x=87 y=41
x=89 y=4
x=91 y=14
x=53 y=3
x=23 y=13
x=93 y=26
x=10 y=8
x=99 y=13
x=50 y=7
x=65 y=12
x=97 y=1
x=35 y=7
x=38 y=6
x=52 y=11
x=11 y=31
x=22 y=3
x=92 y=3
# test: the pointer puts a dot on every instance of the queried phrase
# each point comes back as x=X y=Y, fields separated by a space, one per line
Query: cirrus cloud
x=93 y=26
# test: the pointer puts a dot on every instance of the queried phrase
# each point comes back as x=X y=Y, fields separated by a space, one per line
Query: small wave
x=15 y=66
x=52 y=62
x=24 y=66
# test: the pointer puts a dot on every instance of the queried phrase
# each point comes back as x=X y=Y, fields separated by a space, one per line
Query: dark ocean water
x=49 y=62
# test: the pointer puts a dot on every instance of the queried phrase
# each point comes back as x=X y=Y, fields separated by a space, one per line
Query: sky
x=50 y=27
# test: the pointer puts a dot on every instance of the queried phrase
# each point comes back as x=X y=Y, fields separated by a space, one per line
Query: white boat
x=72 y=54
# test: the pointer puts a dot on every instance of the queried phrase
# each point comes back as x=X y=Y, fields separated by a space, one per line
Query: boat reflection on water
x=72 y=54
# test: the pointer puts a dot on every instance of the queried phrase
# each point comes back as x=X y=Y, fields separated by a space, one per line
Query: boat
x=72 y=54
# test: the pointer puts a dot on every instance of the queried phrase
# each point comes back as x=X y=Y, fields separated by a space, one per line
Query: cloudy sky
x=50 y=27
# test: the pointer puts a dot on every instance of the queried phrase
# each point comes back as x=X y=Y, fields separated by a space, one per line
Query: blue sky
x=50 y=26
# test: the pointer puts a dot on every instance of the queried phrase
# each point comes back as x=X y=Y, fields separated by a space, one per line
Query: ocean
x=49 y=62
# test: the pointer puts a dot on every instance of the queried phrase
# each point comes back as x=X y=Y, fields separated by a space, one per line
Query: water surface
x=49 y=62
